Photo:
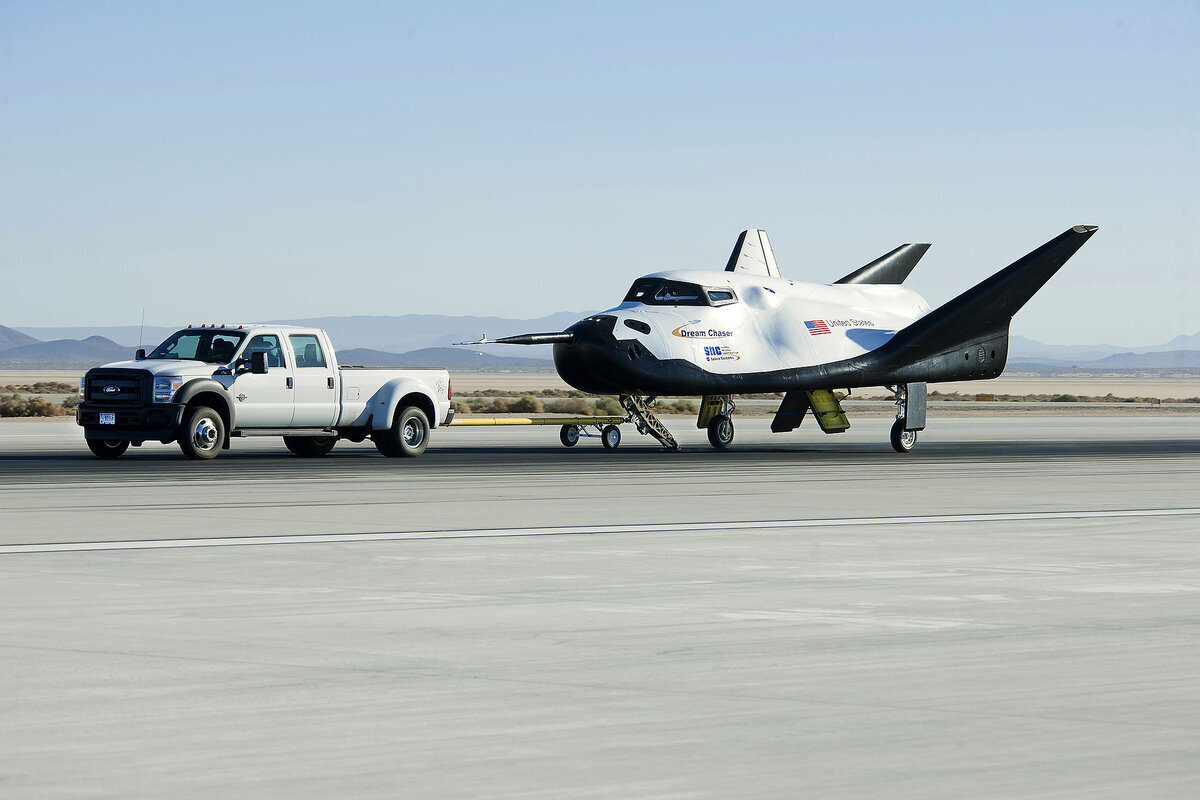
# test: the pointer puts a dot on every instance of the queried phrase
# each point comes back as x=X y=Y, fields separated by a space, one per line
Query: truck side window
x=308 y=351
x=266 y=343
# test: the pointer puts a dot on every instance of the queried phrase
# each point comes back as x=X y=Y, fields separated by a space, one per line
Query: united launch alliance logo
x=684 y=332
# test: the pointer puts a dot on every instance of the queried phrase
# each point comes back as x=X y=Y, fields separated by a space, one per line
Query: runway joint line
x=587 y=530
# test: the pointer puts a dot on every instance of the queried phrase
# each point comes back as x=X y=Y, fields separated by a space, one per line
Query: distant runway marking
x=588 y=530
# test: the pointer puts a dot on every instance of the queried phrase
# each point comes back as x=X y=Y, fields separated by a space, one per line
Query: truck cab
x=208 y=384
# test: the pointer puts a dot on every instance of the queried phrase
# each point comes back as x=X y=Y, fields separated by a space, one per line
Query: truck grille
x=117 y=388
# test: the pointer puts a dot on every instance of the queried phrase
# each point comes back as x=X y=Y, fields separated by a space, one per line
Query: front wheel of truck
x=108 y=448
x=202 y=434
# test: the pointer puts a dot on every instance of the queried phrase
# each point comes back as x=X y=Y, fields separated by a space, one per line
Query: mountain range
x=423 y=339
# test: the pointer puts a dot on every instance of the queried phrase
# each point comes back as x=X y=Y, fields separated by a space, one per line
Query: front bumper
x=141 y=424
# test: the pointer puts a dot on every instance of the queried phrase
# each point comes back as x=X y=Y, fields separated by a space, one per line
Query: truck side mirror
x=140 y=355
x=258 y=363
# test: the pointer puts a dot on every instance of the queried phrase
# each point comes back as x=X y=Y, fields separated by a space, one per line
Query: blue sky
x=270 y=160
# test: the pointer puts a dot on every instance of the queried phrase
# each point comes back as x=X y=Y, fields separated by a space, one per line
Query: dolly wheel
x=611 y=436
x=569 y=435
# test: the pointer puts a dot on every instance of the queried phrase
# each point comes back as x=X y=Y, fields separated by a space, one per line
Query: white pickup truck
x=205 y=385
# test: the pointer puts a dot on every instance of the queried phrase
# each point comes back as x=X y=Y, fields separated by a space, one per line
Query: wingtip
x=1086 y=228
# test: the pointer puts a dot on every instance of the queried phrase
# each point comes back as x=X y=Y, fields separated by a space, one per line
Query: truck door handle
x=289 y=385
x=331 y=383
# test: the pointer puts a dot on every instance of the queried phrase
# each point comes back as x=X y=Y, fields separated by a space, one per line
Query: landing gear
x=639 y=412
x=910 y=416
x=902 y=441
x=720 y=431
x=716 y=414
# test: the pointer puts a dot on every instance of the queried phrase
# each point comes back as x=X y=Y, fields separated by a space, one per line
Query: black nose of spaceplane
x=591 y=361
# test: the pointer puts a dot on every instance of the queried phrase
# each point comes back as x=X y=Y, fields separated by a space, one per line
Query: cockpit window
x=721 y=297
x=660 y=292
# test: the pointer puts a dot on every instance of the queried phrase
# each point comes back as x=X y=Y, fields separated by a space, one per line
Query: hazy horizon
x=246 y=162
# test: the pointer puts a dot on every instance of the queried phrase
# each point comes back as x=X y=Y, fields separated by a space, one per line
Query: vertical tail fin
x=753 y=254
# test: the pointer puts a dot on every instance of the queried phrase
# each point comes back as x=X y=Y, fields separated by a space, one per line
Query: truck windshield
x=212 y=346
x=660 y=292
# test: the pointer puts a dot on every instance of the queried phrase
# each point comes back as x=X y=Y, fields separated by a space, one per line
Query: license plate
x=108 y=419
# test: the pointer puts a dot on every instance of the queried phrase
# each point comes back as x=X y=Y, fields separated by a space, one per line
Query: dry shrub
x=13 y=405
x=574 y=405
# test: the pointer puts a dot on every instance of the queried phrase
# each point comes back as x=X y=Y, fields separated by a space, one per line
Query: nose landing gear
x=716 y=414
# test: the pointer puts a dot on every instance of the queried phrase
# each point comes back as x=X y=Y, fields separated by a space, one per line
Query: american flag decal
x=816 y=326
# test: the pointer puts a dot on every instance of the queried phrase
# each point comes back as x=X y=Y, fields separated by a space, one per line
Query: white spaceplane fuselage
x=760 y=324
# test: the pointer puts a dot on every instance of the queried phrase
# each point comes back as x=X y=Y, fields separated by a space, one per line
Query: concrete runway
x=1013 y=610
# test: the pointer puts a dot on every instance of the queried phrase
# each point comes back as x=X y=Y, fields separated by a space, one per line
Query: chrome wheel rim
x=205 y=434
x=413 y=433
x=908 y=439
x=613 y=437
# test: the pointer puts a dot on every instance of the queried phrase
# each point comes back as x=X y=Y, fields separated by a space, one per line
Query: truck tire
x=203 y=433
x=108 y=448
x=408 y=436
x=310 y=446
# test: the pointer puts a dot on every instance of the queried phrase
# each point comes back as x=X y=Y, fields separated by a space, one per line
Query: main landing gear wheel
x=611 y=436
x=902 y=441
x=569 y=435
x=720 y=431
x=107 y=448
x=310 y=446
x=203 y=434
x=408 y=436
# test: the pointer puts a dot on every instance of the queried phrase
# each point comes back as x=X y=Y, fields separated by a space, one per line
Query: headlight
x=83 y=388
x=165 y=388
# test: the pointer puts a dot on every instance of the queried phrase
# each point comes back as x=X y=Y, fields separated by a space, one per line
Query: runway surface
x=1013 y=610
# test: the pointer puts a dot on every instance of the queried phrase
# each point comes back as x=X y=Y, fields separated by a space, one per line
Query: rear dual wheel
x=408 y=437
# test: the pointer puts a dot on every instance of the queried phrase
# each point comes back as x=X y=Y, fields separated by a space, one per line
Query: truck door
x=316 y=398
x=264 y=401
